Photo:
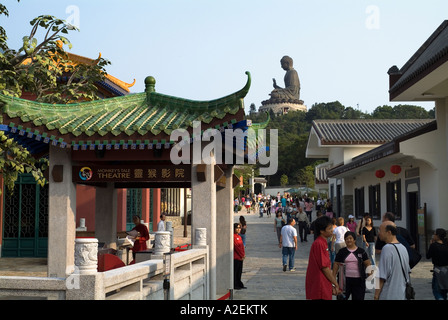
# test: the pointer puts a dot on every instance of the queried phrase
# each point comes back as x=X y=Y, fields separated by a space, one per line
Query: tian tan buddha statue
x=291 y=92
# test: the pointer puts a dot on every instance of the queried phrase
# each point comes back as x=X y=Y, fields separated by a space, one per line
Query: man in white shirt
x=288 y=243
x=339 y=233
x=161 y=224
x=392 y=284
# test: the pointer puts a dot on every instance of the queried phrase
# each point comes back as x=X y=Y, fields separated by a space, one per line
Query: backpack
x=414 y=255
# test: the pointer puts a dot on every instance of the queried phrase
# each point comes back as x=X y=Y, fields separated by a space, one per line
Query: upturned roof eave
x=419 y=65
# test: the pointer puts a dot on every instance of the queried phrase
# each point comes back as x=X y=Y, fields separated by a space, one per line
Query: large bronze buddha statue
x=291 y=92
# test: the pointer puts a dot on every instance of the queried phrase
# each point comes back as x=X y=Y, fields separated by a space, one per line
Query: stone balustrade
x=189 y=276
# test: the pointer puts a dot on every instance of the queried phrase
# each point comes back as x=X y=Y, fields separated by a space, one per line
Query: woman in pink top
x=308 y=208
x=354 y=260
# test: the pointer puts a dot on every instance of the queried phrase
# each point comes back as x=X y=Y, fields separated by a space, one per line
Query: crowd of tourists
x=346 y=256
x=270 y=205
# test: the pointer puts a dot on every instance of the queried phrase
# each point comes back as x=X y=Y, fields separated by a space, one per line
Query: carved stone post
x=201 y=236
x=169 y=228
x=86 y=255
x=162 y=242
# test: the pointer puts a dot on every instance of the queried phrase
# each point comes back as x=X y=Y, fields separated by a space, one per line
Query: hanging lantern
x=380 y=174
x=395 y=169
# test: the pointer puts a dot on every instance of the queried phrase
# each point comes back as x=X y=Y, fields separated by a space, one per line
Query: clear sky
x=200 y=49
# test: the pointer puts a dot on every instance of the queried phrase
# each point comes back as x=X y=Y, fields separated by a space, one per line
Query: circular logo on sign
x=85 y=173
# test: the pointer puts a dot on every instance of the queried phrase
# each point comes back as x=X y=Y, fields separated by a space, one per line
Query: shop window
x=393 y=198
x=359 y=202
x=375 y=201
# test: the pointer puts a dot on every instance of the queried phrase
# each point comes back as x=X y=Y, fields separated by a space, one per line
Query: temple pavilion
x=124 y=142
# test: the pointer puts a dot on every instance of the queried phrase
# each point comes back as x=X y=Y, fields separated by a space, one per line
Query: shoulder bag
x=409 y=291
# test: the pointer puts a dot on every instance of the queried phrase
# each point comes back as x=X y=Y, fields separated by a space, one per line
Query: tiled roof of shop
x=432 y=52
x=364 y=131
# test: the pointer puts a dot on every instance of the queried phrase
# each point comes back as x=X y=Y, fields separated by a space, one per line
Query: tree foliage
x=305 y=176
x=283 y=180
x=245 y=171
x=15 y=159
x=43 y=69
x=402 y=112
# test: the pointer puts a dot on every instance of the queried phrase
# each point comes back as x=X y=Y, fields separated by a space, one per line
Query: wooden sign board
x=222 y=182
x=131 y=173
x=421 y=219
x=235 y=180
x=218 y=173
x=200 y=172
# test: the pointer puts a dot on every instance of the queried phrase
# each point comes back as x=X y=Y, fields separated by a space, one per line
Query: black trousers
x=356 y=287
x=237 y=271
x=302 y=230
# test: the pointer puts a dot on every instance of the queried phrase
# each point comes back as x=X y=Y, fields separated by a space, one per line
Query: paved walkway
x=264 y=277
x=262 y=271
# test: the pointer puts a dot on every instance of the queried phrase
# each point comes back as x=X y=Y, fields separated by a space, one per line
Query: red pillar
x=146 y=202
x=121 y=209
x=155 y=208
x=85 y=205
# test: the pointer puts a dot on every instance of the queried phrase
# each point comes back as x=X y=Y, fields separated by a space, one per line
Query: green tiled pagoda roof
x=136 y=118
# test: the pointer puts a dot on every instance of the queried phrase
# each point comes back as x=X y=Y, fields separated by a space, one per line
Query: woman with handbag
x=369 y=238
x=354 y=261
x=279 y=223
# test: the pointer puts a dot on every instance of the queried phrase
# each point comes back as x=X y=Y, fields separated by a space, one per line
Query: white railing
x=140 y=281
x=32 y=287
x=187 y=275
x=144 y=281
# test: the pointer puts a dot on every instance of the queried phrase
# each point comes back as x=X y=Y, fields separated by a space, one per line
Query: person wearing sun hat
x=351 y=223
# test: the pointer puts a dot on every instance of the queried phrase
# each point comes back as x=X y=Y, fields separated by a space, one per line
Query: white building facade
x=400 y=166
